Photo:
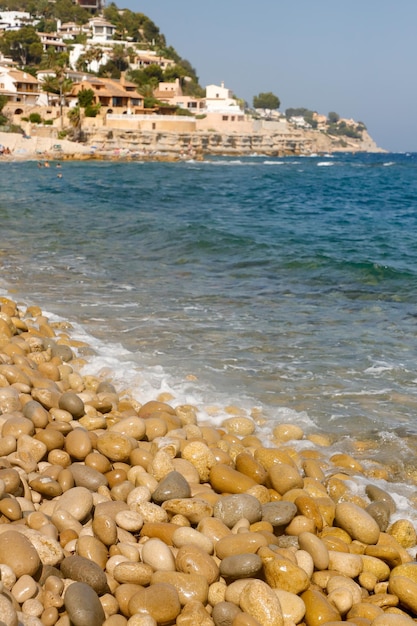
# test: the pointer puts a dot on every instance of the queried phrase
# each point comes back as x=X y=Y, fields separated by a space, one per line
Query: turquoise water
x=284 y=284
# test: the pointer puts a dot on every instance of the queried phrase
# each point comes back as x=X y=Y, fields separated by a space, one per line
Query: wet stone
x=241 y=566
x=380 y=511
x=171 y=487
x=278 y=513
x=230 y=509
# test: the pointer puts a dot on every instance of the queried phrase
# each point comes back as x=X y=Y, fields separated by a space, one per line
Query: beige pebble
x=201 y=457
x=32 y=607
x=24 y=589
x=77 y=501
x=375 y=566
x=194 y=509
x=193 y=560
x=158 y=555
x=287 y=432
x=348 y=564
x=131 y=426
x=406 y=590
x=284 y=477
x=292 y=606
x=241 y=425
x=392 y=619
x=186 y=535
x=7 y=576
x=137 y=620
x=404 y=532
x=7 y=612
x=305 y=561
x=259 y=601
x=357 y=522
x=343 y=582
x=129 y=520
x=115 y=446
x=316 y=548
x=133 y=572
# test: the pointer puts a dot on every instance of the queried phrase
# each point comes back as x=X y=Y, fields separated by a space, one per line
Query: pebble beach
x=124 y=513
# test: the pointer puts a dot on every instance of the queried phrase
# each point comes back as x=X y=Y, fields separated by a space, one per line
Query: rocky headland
x=121 y=513
x=112 y=143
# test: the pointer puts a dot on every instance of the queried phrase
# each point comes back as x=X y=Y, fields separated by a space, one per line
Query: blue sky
x=356 y=57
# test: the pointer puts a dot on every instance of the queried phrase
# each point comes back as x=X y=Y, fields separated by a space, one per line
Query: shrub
x=35 y=118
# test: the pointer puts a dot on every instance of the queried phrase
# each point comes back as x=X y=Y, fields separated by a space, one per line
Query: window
x=225 y=118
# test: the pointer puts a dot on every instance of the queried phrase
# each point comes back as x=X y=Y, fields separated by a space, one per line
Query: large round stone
x=230 y=509
x=83 y=605
x=278 y=513
x=83 y=570
x=18 y=553
x=357 y=522
x=160 y=601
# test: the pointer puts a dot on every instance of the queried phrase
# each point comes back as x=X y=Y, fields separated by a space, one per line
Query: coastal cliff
x=110 y=143
x=202 y=143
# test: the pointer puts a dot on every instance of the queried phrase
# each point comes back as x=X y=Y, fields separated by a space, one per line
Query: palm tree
x=74 y=116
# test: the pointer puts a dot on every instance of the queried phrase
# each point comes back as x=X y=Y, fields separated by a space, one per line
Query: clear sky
x=355 y=57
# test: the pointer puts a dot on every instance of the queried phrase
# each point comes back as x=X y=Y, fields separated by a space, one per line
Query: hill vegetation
x=135 y=31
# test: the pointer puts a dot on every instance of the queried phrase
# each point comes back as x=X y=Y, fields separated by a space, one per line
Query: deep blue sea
x=285 y=285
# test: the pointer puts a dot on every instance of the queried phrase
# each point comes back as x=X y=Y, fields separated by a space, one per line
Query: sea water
x=285 y=286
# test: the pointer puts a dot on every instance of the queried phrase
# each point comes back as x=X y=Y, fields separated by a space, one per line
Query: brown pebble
x=17 y=552
x=225 y=479
x=83 y=570
x=78 y=444
x=148 y=601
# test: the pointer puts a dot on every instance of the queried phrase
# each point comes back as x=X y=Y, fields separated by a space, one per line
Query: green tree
x=3 y=101
x=333 y=117
x=86 y=97
x=74 y=116
x=266 y=100
x=23 y=45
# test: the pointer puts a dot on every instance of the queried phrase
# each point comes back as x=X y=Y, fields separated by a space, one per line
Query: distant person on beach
x=46 y=164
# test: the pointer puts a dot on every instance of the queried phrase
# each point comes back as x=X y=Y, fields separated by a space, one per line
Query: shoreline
x=111 y=503
x=173 y=148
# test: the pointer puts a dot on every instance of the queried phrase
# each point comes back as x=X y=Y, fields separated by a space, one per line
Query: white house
x=101 y=29
x=13 y=20
x=219 y=99
x=18 y=86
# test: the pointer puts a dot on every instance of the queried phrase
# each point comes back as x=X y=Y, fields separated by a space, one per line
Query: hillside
x=300 y=131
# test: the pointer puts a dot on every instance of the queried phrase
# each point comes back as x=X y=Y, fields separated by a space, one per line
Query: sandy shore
x=109 y=505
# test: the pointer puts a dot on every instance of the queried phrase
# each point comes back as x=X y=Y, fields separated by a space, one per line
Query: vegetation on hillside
x=135 y=31
x=25 y=47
